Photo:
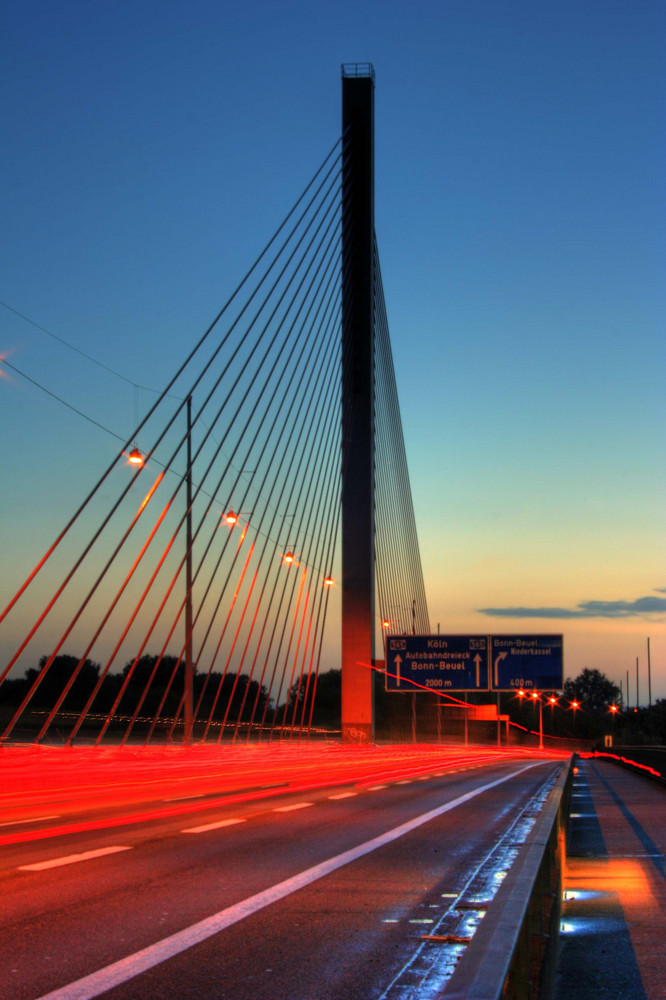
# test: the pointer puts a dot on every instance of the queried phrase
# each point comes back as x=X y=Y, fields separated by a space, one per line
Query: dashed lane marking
x=213 y=826
x=297 y=805
x=33 y=819
x=71 y=859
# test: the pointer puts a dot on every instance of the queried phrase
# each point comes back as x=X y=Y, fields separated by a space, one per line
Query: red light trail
x=142 y=778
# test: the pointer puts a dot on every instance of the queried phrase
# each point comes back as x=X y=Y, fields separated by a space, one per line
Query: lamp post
x=535 y=698
x=552 y=701
x=189 y=670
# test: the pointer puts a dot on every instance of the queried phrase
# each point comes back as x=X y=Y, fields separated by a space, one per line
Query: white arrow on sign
x=502 y=656
x=397 y=661
x=477 y=660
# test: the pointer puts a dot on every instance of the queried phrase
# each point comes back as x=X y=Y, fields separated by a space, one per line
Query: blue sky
x=151 y=149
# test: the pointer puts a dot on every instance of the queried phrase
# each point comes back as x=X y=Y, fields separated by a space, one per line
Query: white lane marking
x=35 y=819
x=213 y=826
x=377 y=788
x=288 y=809
x=71 y=859
x=406 y=781
x=343 y=795
x=147 y=958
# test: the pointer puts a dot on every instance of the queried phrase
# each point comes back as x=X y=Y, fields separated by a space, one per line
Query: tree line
x=150 y=685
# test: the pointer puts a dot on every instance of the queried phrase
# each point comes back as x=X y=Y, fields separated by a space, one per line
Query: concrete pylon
x=358 y=328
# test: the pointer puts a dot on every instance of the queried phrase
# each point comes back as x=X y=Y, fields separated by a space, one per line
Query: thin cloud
x=531 y=613
x=588 y=609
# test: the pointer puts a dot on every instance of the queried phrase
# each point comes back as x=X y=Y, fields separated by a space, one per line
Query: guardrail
x=509 y=957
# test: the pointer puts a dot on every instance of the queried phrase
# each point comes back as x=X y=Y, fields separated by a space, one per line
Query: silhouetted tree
x=327 y=699
x=237 y=695
x=166 y=680
x=56 y=677
x=594 y=690
x=156 y=680
x=13 y=691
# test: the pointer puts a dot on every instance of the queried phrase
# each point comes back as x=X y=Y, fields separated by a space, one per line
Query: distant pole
x=628 y=702
x=540 y=723
x=358 y=432
x=649 y=692
x=499 y=724
x=637 y=686
x=466 y=711
x=187 y=735
x=649 y=676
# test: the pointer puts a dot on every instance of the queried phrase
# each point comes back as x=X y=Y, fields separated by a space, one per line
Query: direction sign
x=531 y=662
x=439 y=662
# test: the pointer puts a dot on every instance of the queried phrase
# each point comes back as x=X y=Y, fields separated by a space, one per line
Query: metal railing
x=358 y=69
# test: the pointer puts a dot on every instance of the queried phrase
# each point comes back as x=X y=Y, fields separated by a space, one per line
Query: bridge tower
x=358 y=328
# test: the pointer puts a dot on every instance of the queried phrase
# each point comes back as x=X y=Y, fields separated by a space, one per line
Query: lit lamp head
x=230 y=517
x=135 y=458
x=288 y=558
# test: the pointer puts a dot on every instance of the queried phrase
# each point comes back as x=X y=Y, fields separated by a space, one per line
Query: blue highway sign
x=526 y=661
x=438 y=662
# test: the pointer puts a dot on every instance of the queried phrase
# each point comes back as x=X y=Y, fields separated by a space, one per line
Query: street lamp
x=232 y=517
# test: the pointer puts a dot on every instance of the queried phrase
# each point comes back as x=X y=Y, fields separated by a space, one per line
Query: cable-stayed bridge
x=260 y=508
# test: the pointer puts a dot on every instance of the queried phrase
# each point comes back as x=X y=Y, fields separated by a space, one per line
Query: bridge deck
x=614 y=910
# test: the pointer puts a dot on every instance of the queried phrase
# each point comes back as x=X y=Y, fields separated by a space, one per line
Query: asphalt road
x=339 y=892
